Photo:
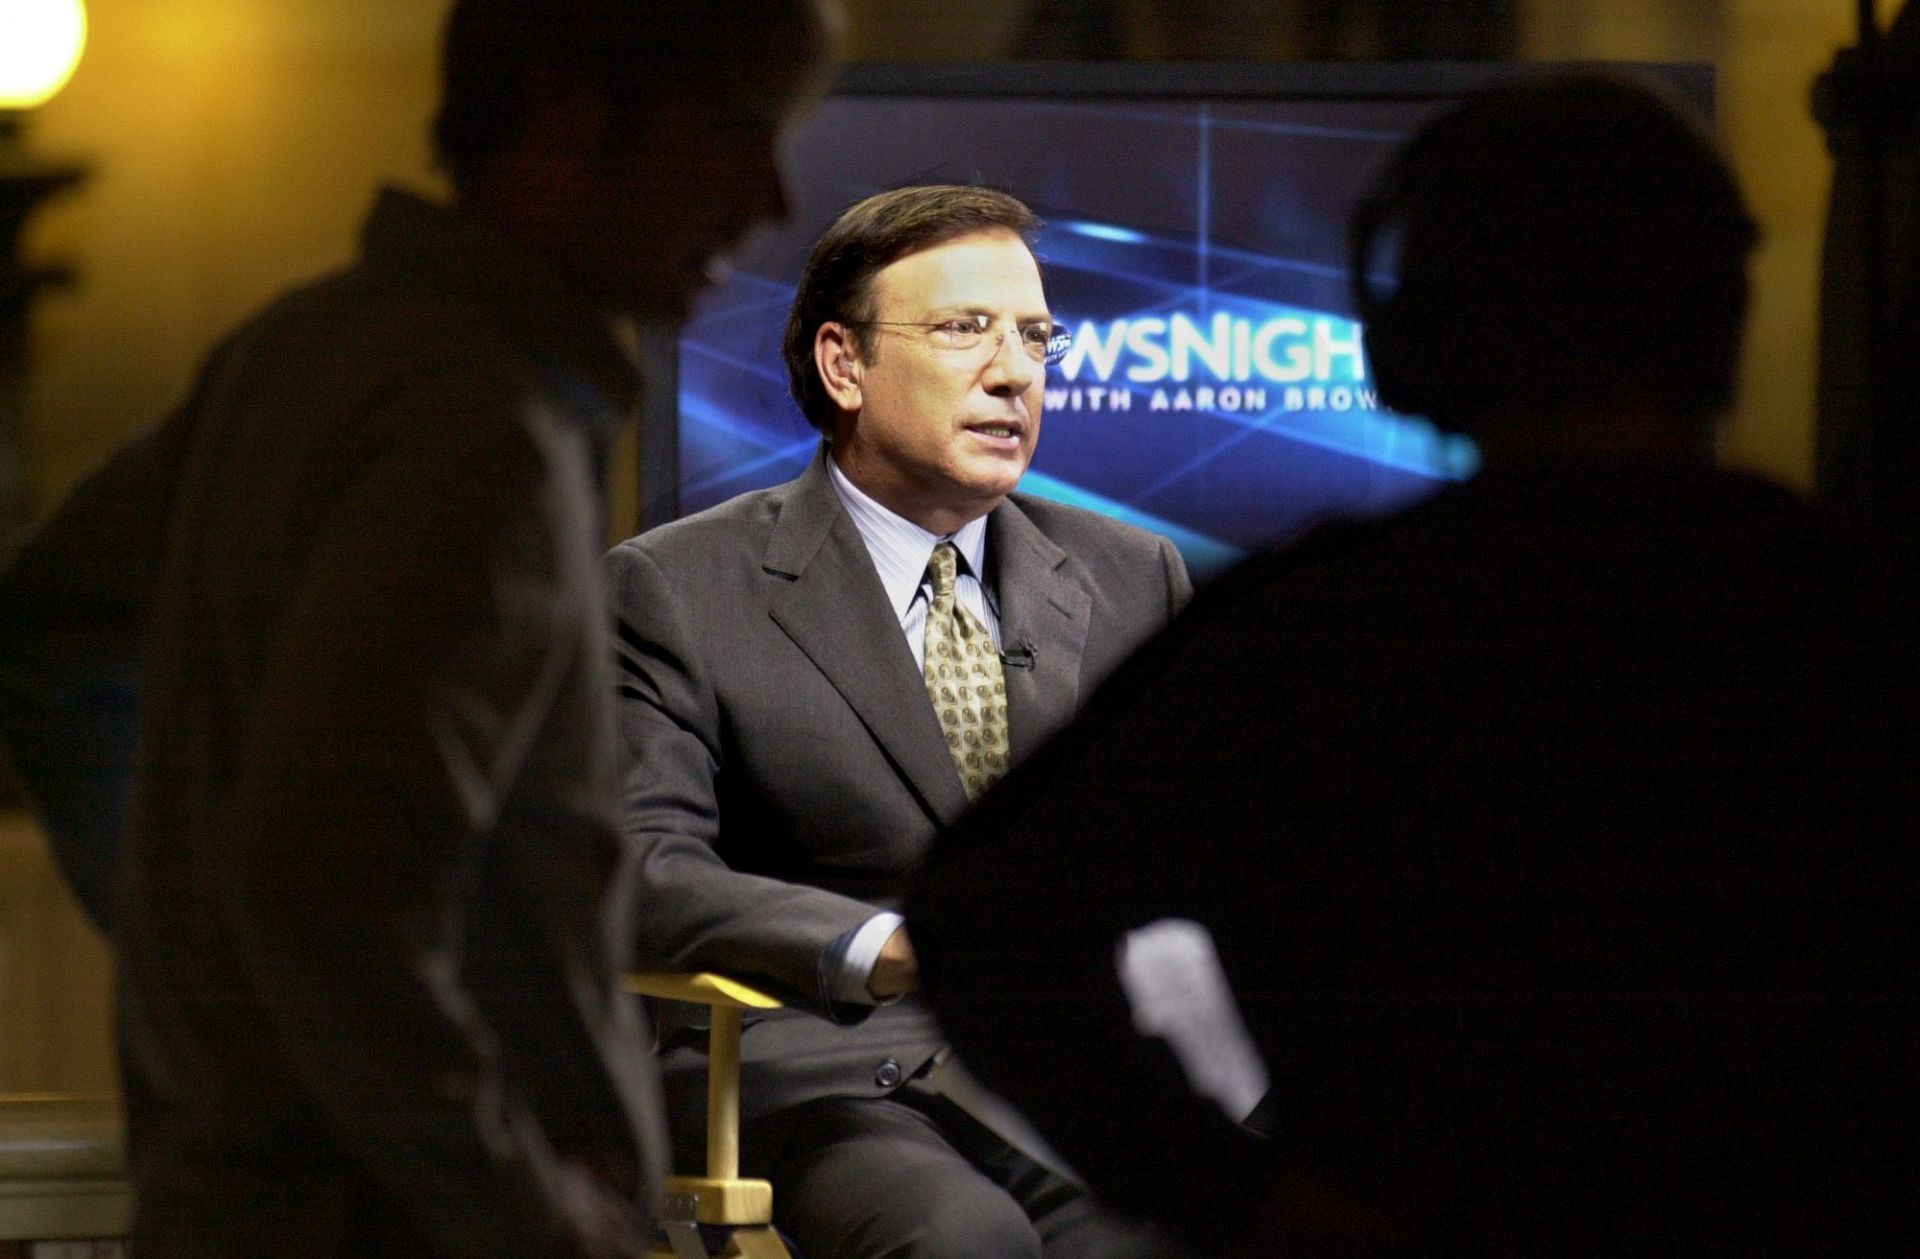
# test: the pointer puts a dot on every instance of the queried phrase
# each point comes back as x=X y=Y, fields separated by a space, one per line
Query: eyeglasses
x=1044 y=342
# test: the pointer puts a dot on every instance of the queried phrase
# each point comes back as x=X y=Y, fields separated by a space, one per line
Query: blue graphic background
x=1153 y=208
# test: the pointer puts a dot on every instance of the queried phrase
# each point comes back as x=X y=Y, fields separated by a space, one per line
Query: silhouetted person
x=1557 y=836
x=375 y=902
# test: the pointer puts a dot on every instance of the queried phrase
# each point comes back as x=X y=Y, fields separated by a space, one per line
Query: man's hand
x=896 y=971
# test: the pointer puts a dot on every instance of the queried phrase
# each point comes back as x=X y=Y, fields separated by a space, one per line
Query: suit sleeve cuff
x=849 y=960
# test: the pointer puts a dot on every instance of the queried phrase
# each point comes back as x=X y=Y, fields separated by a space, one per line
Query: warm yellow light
x=40 y=43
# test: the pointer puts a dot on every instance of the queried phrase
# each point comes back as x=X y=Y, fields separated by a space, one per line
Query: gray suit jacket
x=785 y=774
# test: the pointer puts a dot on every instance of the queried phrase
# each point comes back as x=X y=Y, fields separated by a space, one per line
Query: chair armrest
x=721 y=1196
x=701 y=988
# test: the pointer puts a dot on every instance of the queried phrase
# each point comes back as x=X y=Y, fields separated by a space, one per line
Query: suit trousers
x=912 y=1176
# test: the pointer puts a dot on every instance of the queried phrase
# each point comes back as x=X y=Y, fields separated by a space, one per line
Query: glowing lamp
x=40 y=43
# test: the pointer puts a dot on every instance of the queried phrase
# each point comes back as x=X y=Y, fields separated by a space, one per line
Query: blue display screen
x=1216 y=391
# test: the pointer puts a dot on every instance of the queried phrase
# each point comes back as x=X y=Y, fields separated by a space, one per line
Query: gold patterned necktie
x=964 y=680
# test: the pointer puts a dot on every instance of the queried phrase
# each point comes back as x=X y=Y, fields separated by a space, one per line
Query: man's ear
x=835 y=358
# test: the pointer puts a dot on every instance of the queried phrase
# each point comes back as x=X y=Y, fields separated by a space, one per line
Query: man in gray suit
x=373 y=906
x=816 y=677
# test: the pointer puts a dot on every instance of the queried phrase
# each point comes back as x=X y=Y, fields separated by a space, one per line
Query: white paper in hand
x=1173 y=979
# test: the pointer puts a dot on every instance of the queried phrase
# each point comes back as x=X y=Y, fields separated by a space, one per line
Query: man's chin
x=1002 y=470
x=997 y=485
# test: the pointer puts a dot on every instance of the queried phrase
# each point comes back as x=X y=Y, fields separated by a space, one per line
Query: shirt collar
x=899 y=547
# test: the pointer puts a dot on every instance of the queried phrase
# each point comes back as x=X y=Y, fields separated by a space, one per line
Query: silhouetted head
x=1554 y=255
x=631 y=142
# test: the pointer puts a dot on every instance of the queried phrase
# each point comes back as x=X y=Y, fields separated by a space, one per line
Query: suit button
x=887 y=1074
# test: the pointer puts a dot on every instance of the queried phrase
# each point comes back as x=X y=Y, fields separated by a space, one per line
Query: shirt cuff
x=849 y=961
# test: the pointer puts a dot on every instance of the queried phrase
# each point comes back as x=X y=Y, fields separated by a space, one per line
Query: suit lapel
x=1044 y=617
x=835 y=610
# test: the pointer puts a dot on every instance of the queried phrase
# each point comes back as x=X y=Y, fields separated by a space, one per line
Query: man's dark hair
x=836 y=286
x=1554 y=245
x=634 y=51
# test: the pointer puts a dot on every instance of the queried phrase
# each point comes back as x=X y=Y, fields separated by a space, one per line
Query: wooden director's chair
x=741 y=1209
x=740 y=1212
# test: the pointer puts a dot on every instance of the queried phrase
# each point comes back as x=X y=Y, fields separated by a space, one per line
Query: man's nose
x=1011 y=369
